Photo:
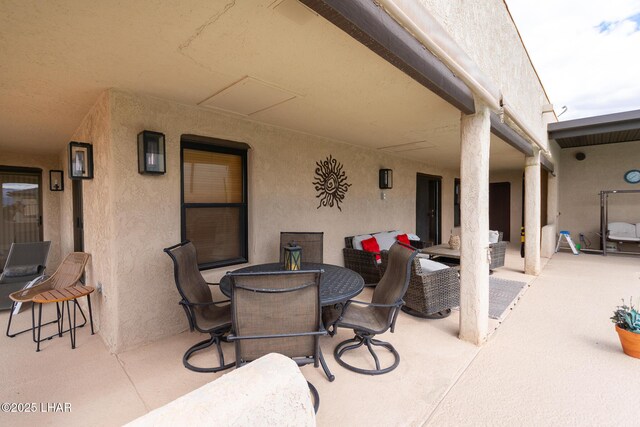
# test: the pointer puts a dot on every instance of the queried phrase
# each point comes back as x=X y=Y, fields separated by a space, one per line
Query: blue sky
x=587 y=53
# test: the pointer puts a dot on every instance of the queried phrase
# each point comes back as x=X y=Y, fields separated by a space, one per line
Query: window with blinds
x=214 y=201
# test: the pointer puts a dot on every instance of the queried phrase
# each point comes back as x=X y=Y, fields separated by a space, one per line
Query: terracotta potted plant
x=627 y=320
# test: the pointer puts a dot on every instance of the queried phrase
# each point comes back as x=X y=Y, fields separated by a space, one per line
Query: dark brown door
x=500 y=208
x=428 y=211
x=78 y=220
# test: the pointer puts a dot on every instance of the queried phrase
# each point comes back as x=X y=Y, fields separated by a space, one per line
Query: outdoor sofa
x=366 y=263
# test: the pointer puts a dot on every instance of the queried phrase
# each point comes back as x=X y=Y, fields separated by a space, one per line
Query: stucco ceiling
x=272 y=61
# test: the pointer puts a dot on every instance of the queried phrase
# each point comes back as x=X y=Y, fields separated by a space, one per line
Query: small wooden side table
x=71 y=293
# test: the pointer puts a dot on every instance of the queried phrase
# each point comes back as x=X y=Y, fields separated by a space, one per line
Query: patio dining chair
x=68 y=274
x=278 y=312
x=310 y=242
x=204 y=315
x=370 y=319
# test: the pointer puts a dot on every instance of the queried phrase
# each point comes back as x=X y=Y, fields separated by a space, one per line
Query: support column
x=475 y=132
x=532 y=214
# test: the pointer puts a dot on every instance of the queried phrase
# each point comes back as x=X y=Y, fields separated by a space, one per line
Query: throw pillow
x=371 y=245
x=403 y=238
x=357 y=241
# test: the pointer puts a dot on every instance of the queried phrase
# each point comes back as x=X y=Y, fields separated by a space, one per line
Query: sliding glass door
x=21 y=207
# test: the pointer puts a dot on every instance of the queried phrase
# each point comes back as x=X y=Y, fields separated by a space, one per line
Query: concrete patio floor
x=555 y=359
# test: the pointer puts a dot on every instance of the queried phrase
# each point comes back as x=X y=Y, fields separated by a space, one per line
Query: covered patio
x=285 y=85
x=292 y=84
x=537 y=367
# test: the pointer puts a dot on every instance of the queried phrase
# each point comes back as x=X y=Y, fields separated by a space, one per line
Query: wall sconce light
x=151 y=153
x=385 y=179
x=580 y=156
x=80 y=160
x=56 y=180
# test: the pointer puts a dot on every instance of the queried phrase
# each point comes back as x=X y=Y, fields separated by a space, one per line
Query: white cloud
x=587 y=53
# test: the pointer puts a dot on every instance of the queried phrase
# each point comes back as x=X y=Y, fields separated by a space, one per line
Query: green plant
x=627 y=317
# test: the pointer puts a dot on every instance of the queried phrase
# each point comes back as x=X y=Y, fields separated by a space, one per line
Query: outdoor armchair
x=278 y=312
x=68 y=274
x=310 y=242
x=370 y=319
x=430 y=294
x=498 y=253
x=204 y=314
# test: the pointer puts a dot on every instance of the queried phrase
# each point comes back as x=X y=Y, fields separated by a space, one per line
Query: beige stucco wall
x=98 y=194
x=581 y=181
x=50 y=199
x=481 y=27
x=130 y=217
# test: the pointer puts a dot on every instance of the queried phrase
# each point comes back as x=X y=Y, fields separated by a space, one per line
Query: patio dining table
x=337 y=284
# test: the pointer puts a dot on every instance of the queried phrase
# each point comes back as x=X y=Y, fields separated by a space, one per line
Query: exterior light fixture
x=292 y=255
x=80 y=160
x=385 y=179
x=151 y=153
x=56 y=180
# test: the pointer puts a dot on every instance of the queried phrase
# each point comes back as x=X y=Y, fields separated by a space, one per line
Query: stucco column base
x=474 y=230
x=532 y=214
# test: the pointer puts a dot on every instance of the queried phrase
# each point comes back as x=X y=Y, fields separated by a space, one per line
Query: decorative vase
x=630 y=342
x=454 y=242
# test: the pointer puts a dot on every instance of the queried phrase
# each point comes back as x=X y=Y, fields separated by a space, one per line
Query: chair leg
x=367 y=340
x=214 y=340
x=39 y=325
x=316 y=397
x=31 y=329
x=72 y=329
x=13 y=306
x=90 y=313
x=325 y=368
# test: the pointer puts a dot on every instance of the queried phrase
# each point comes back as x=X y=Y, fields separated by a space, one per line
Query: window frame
x=217 y=146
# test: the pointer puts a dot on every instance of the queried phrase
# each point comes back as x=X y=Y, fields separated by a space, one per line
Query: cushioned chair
x=310 y=242
x=378 y=316
x=496 y=244
x=68 y=274
x=434 y=288
x=204 y=314
x=278 y=312
x=25 y=262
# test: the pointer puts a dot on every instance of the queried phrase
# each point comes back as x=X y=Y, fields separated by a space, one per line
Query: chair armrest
x=363 y=263
x=448 y=278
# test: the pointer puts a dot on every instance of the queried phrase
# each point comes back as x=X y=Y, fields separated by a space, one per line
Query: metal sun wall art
x=330 y=182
